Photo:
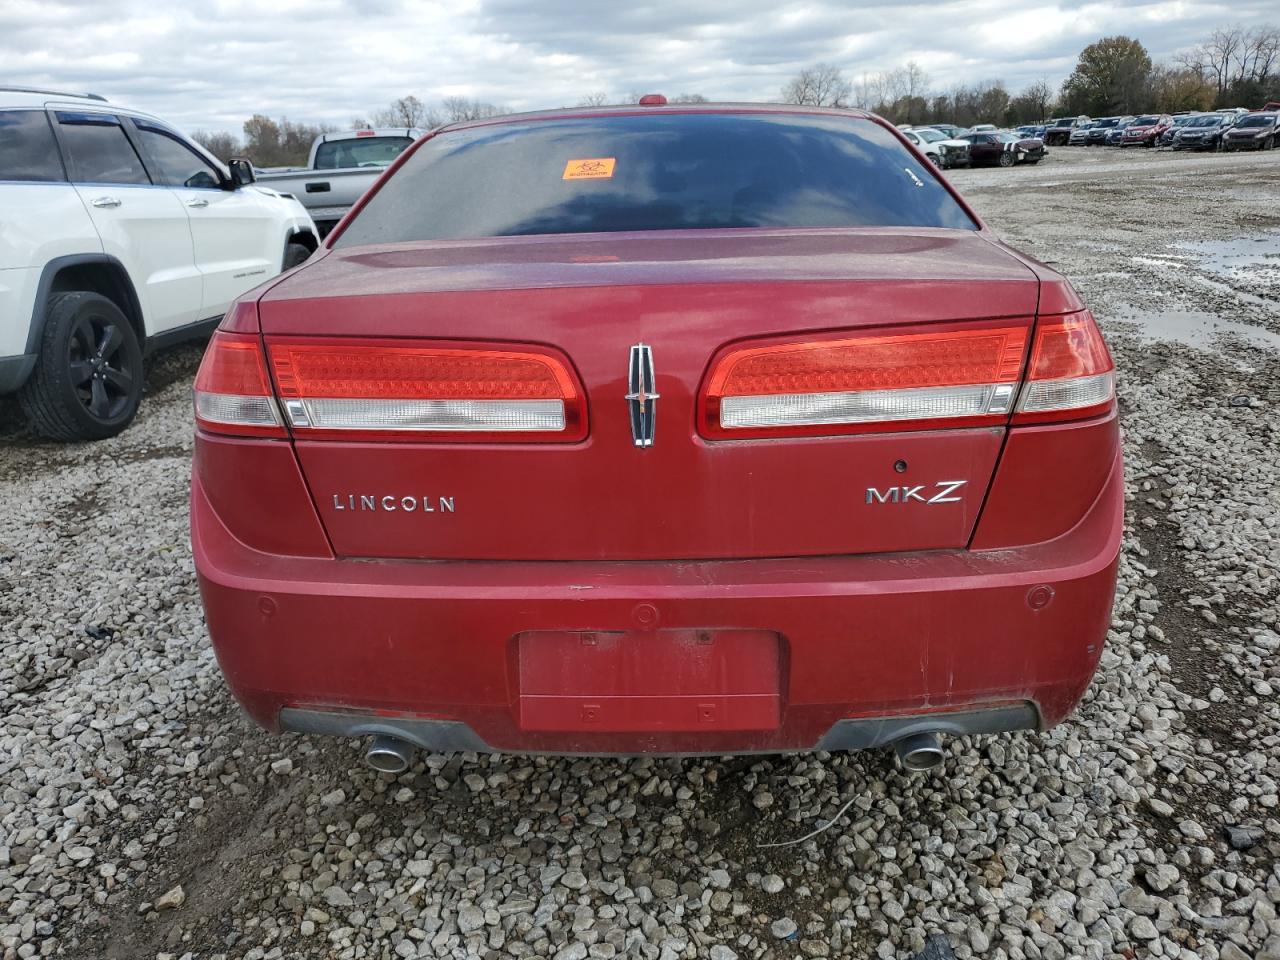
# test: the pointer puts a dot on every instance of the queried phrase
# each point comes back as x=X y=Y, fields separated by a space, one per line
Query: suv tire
x=87 y=382
x=295 y=254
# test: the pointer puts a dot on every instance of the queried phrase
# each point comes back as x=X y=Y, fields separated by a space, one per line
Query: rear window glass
x=27 y=148
x=360 y=152
x=660 y=172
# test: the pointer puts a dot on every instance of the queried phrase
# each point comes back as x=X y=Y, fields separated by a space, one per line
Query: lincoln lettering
x=391 y=503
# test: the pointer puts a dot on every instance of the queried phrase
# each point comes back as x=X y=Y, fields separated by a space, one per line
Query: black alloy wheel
x=87 y=383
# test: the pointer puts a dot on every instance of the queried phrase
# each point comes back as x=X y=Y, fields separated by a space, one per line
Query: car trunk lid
x=686 y=297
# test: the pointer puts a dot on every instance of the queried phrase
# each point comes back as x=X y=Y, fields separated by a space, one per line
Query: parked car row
x=1230 y=129
x=948 y=146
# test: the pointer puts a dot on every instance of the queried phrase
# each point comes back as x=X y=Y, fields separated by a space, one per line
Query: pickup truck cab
x=118 y=234
x=342 y=166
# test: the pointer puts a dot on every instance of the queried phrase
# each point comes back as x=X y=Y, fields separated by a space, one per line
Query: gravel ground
x=141 y=816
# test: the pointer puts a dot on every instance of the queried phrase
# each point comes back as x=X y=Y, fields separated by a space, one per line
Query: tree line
x=1115 y=75
x=285 y=142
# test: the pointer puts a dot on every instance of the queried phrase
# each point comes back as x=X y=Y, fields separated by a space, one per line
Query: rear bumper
x=869 y=647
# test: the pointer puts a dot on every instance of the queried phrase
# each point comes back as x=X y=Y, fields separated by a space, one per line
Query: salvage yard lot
x=141 y=815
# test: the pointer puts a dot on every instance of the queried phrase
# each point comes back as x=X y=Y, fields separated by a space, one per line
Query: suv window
x=360 y=152
x=655 y=172
x=98 y=149
x=27 y=148
x=176 y=163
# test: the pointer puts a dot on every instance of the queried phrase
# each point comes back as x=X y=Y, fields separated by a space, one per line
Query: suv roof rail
x=51 y=93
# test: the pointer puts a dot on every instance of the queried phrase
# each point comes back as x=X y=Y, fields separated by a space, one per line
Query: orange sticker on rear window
x=595 y=168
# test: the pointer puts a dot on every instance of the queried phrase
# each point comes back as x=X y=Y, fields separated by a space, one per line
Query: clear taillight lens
x=386 y=390
x=910 y=378
x=232 y=390
x=1071 y=375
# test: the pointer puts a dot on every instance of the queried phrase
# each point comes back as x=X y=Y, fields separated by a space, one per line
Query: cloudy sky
x=211 y=64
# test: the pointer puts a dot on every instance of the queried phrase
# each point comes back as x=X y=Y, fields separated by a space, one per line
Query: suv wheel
x=88 y=379
x=295 y=254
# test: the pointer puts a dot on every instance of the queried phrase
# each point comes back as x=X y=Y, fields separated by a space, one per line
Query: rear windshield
x=659 y=172
x=360 y=152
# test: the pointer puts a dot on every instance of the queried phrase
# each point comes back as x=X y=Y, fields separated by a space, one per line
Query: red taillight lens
x=383 y=390
x=910 y=378
x=232 y=390
x=1071 y=375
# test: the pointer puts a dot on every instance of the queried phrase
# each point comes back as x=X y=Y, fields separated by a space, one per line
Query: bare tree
x=867 y=91
x=821 y=85
x=360 y=123
x=598 y=99
x=1214 y=59
x=406 y=112
x=1261 y=51
x=460 y=108
x=1039 y=96
x=689 y=98
x=224 y=146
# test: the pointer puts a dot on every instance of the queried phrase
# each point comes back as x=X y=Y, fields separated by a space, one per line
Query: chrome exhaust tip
x=389 y=755
x=919 y=752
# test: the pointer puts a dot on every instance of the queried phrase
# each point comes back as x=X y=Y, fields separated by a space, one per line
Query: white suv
x=117 y=235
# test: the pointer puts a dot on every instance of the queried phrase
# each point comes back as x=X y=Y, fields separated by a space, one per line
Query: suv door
x=140 y=224
x=235 y=232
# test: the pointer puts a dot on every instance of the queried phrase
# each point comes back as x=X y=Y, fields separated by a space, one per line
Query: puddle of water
x=1206 y=331
x=1232 y=258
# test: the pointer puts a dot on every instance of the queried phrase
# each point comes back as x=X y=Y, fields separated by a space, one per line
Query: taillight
x=232 y=390
x=909 y=378
x=387 y=390
x=1071 y=375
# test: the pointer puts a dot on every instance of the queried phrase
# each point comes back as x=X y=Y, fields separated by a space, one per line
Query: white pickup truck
x=341 y=168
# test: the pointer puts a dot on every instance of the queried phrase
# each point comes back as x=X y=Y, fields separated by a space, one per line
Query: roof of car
x=11 y=97
x=15 y=96
x=634 y=109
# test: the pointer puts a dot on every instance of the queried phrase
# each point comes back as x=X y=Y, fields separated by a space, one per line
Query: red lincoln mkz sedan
x=696 y=429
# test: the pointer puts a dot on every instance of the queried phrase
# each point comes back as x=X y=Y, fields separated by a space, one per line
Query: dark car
x=1253 y=131
x=1145 y=131
x=1176 y=127
x=950 y=129
x=414 y=507
x=1058 y=132
x=1203 y=132
x=1101 y=129
x=1079 y=135
x=1032 y=130
x=1002 y=148
x=1115 y=136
